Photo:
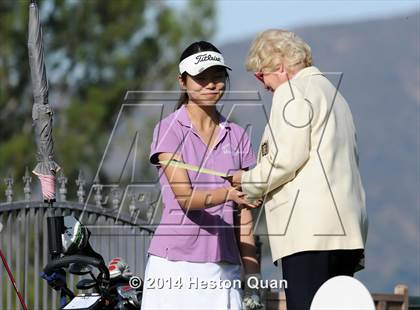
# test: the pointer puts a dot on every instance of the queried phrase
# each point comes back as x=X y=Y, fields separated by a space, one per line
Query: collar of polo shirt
x=183 y=119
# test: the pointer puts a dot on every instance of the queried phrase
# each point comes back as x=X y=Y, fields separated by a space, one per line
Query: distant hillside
x=380 y=62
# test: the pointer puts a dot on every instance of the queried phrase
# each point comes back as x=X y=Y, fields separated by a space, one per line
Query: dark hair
x=196 y=47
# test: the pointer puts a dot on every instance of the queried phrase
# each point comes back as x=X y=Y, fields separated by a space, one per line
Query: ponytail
x=183 y=99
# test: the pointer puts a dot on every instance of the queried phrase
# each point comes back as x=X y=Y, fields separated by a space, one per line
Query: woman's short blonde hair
x=274 y=47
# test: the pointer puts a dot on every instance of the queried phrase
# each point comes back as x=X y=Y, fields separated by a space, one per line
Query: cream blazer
x=307 y=170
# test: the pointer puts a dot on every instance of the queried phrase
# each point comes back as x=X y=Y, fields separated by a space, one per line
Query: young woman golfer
x=194 y=256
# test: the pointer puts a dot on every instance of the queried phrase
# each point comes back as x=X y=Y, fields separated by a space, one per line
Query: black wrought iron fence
x=24 y=239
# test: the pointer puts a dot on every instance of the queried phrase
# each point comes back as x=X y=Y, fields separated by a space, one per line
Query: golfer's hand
x=236 y=179
x=252 y=296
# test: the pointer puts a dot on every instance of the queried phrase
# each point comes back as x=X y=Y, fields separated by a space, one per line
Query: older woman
x=307 y=170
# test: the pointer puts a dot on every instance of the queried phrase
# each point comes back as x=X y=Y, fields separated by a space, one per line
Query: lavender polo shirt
x=198 y=235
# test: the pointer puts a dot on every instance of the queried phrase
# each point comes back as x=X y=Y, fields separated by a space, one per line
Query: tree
x=95 y=50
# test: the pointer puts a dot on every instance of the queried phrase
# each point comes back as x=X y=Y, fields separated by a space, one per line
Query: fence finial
x=81 y=183
x=98 y=196
x=27 y=179
x=63 y=189
x=116 y=195
x=9 y=188
x=132 y=206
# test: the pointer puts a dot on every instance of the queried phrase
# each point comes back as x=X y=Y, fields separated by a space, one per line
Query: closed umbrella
x=42 y=113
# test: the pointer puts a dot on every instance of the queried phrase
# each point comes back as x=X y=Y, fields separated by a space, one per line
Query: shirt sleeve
x=165 y=140
x=288 y=146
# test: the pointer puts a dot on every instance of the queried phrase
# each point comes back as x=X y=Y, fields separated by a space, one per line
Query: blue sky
x=238 y=19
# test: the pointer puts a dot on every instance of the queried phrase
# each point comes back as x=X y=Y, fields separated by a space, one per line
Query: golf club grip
x=67 y=260
x=55 y=226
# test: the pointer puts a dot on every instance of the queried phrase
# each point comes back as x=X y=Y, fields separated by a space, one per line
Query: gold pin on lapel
x=264 y=148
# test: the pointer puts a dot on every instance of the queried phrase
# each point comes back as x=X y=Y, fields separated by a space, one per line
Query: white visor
x=197 y=63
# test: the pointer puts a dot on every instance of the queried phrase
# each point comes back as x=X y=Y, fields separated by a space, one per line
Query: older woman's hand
x=239 y=198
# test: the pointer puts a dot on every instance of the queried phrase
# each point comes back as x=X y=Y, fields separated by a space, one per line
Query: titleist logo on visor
x=197 y=63
x=206 y=57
